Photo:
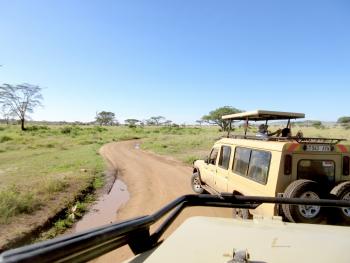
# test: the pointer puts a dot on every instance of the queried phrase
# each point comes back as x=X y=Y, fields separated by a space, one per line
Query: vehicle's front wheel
x=342 y=192
x=306 y=189
x=196 y=183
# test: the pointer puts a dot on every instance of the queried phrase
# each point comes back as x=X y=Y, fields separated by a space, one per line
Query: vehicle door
x=209 y=171
x=222 y=172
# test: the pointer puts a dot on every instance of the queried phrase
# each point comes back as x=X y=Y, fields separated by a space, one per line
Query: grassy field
x=44 y=168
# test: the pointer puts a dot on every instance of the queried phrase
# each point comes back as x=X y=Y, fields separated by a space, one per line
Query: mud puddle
x=104 y=211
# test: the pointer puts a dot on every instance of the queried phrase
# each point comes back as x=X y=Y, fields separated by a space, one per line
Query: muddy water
x=104 y=211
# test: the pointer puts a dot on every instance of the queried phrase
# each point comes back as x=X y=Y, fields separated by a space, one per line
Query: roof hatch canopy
x=262 y=115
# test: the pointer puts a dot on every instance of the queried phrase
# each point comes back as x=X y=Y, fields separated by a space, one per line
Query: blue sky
x=179 y=59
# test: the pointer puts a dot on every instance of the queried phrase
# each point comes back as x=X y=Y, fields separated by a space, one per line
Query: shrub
x=14 y=202
x=100 y=129
x=5 y=138
x=66 y=130
x=98 y=182
x=38 y=128
x=55 y=185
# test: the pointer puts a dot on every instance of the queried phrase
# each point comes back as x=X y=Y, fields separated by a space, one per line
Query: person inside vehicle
x=286 y=132
x=299 y=134
x=264 y=133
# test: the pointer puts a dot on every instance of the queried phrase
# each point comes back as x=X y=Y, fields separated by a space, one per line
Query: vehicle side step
x=211 y=190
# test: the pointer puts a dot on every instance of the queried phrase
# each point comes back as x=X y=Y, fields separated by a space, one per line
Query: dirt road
x=152 y=181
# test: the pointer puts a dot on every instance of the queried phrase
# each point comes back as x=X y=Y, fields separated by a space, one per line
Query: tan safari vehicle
x=276 y=166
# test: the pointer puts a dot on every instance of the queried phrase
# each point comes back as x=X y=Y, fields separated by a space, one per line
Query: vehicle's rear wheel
x=342 y=192
x=196 y=183
x=303 y=213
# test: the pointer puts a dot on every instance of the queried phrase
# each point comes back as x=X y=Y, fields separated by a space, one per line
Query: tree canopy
x=131 y=122
x=19 y=100
x=344 y=120
x=214 y=117
x=105 y=118
x=155 y=120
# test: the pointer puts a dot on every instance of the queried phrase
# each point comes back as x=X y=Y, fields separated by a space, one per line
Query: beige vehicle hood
x=205 y=239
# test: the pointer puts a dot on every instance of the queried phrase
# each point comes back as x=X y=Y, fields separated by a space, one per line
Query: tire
x=303 y=213
x=196 y=183
x=342 y=192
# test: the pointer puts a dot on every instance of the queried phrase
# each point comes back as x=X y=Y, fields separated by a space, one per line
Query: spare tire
x=303 y=213
x=342 y=192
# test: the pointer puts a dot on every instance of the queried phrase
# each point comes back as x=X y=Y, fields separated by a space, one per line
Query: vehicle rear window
x=322 y=171
x=241 y=162
x=224 y=159
x=259 y=166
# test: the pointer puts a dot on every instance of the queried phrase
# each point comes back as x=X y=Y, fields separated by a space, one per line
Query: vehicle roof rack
x=286 y=139
x=318 y=140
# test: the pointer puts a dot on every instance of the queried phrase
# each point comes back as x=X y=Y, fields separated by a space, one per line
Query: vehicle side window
x=224 y=159
x=241 y=161
x=259 y=166
x=213 y=155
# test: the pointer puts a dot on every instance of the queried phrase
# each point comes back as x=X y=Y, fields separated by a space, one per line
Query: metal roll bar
x=88 y=245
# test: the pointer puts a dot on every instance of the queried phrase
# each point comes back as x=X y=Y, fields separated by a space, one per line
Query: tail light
x=288 y=164
x=346 y=165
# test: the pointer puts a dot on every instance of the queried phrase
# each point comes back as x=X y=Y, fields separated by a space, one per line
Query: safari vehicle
x=291 y=167
x=203 y=239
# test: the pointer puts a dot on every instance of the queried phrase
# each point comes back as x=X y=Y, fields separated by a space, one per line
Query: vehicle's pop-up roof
x=263 y=115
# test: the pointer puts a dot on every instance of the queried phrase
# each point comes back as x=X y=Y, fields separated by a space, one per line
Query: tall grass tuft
x=14 y=202
x=5 y=138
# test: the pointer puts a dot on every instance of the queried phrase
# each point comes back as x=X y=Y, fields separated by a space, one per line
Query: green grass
x=44 y=160
x=185 y=144
x=14 y=202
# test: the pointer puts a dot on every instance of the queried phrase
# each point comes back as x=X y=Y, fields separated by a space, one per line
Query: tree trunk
x=22 y=125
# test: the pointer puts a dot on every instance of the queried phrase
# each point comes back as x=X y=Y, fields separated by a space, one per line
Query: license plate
x=318 y=148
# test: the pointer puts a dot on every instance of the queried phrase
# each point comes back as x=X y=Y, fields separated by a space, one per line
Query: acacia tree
x=156 y=120
x=344 y=122
x=215 y=116
x=20 y=100
x=131 y=122
x=105 y=118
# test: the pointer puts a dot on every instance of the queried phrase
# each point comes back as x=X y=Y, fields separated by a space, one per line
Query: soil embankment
x=152 y=181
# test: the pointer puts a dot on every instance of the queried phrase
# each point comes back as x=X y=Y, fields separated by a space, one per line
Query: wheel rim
x=196 y=183
x=309 y=211
x=346 y=210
